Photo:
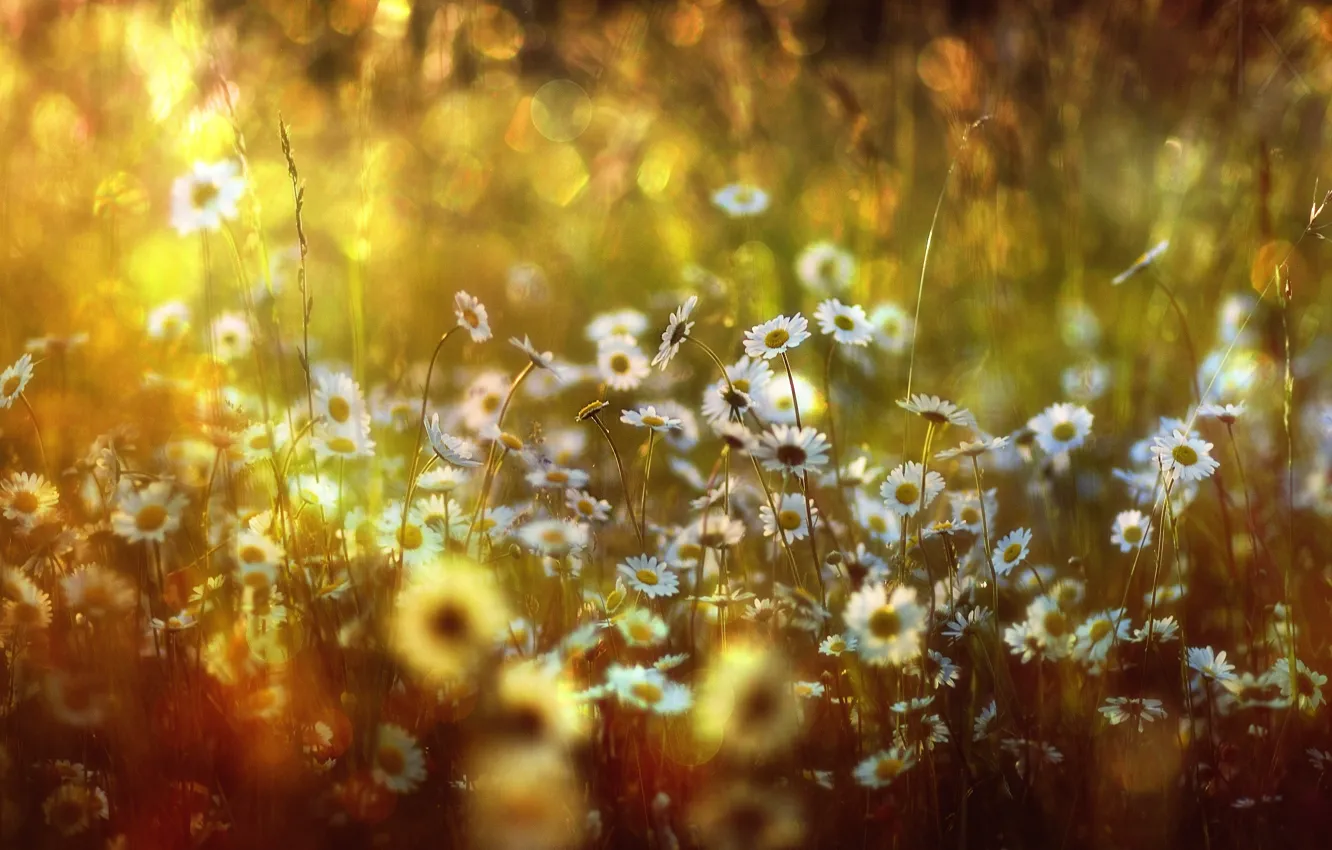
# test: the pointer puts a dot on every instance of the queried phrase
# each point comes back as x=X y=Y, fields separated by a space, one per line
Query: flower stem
x=492 y=461
x=36 y=429
x=647 y=473
x=624 y=482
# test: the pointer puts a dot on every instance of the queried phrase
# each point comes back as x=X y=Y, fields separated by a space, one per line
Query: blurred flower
x=445 y=619
x=472 y=317
x=1061 y=427
x=887 y=628
x=824 y=268
x=1131 y=529
x=206 y=196
x=847 y=325
x=884 y=767
x=740 y=200
x=14 y=379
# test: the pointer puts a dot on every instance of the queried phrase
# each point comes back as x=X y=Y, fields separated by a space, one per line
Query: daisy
x=835 y=645
x=938 y=411
x=1131 y=528
x=776 y=336
x=967 y=508
x=901 y=491
x=647 y=688
x=792 y=450
x=746 y=381
x=450 y=449
x=887 y=629
x=1061 y=427
x=345 y=443
x=740 y=200
x=14 y=379
x=1210 y=665
x=472 y=316
x=621 y=364
x=168 y=322
x=261 y=442
x=1048 y=628
x=938 y=669
x=847 y=325
x=878 y=519
x=775 y=404
x=648 y=417
x=73 y=807
x=965 y=623
x=1162 y=629
x=549 y=476
x=894 y=327
x=1226 y=413
x=258 y=558
x=981 y=727
x=807 y=690
x=881 y=769
x=790 y=518
x=1011 y=550
x=1119 y=710
x=149 y=513
x=625 y=322
x=586 y=507
x=554 y=538
x=1307 y=687
x=540 y=359
x=974 y=448
x=97 y=592
x=231 y=337
x=824 y=267
x=649 y=576
x=28 y=606
x=338 y=401
x=1184 y=458
x=398 y=765
x=445 y=619
x=1094 y=638
x=677 y=331
x=207 y=195
x=28 y=499
x=640 y=627
x=735 y=435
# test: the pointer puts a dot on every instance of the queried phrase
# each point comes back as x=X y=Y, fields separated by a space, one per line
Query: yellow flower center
x=887 y=769
x=342 y=445
x=653 y=421
x=843 y=322
x=1064 y=431
x=788 y=520
x=647 y=577
x=647 y=692
x=969 y=515
x=1132 y=534
x=640 y=632
x=877 y=524
x=1056 y=625
x=251 y=554
x=471 y=318
x=776 y=338
x=907 y=493
x=884 y=623
x=490 y=403
x=1011 y=552
x=411 y=537
x=260 y=441
x=742 y=385
x=1184 y=455
x=25 y=502
x=11 y=386
x=557 y=476
x=619 y=363
x=339 y=409
x=1099 y=630
x=203 y=194
x=150 y=518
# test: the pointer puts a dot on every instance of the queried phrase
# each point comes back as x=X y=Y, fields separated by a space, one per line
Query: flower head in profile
x=847 y=325
x=937 y=411
x=740 y=200
x=206 y=196
x=1210 y=665
x=1184 y=458
x=884 y=767
x=1227 y=414
x=1011 y=550
x=1119 y=710
x=677 y=331
x=472 y=316
x=1061 y=427
x=775 y=337
x=793 y=450
x=450 y=449
x=14 y=379
x=902 y=491
x=648 y=417
x=974 y=448
x=540 y=359
x=1305 y=687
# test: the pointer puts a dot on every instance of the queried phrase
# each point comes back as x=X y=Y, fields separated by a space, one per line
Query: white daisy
x=640 y=627
x=740 y=200
x=1305 y=687
x=824 y=267
x=626 y=322
x=1228 y=414
x=1011 y=550
x=207 y=195
x=231 y=337
x=1131 y=529
x=1184 y=458
x=847 y=325
x=894 y=327
x=149 y=513
x=938 y=411
x=677 y=331
x=882 y=769
x=1119 y=710
x=901 y=491
x=647 y=688
x=398 y=764
x=168 y=322
x=790 y=517
x=540 y=359
x=792 y=450
x=650 y=576
x=837 y=644
x=338 y=401
x=472 y=316
x=776 y=336
x=14 y=379
x=586 y=507
x=1210 y=665
x=648 y=417
x=1094 y=637
x=1061 y=427
x=621 y=363
x=454 y=450
x=887 y=629
x=28 y=499
x=553 y=537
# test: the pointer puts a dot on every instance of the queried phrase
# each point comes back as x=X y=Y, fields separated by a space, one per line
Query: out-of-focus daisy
x=837 y=644
x=640 y=627
x=1119 y=710
x=1305 y=687
x=97 y=592
x=1162 y=629
x=206 y=196
x=28 y=499
x=737 y=436
x=445 y=619
x=677 y=331
x=894 y=327
x=1049 y=628
x=965 y=623
x=648 y=417
x=902 y=492
x=790 y=517
x=1228 y=414
x=338 y=400
x=148 y=513
x=552 y=476
x=884 y=767
x=824 y=267
x=587 y=507
x=27 y=606
x=540 y=359
x=1131 y=529
x=745 y=382
x=740 y=200
x=1210 y=665
x=1184 y=458
x=1011 y=550
x=1061 y=427
x=621 y=363
x=980 y=728
x=257 y=557
x=626 y=322
x=647 y=688
x=847 y=325
x=14 y=380
x=451 y=449
x=792 y=450
x=776 y=336
x=472 y=316
x=649 y=576
x=555 y=538
x=887 y=629
x=399 y=765
x=973 y=448
x=1094 y=637
x=934 y=409
x=775 y=405
x=231 y=337
x=73 y=808
x=168 y=322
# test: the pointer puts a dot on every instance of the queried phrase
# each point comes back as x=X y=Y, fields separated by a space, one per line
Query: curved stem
x=647 y=472
x=795 y=404
x=420 y=432
x=37 y=429
x=624 y=482
x=491 y=457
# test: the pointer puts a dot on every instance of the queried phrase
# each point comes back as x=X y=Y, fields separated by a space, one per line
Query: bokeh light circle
x=561 y=110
